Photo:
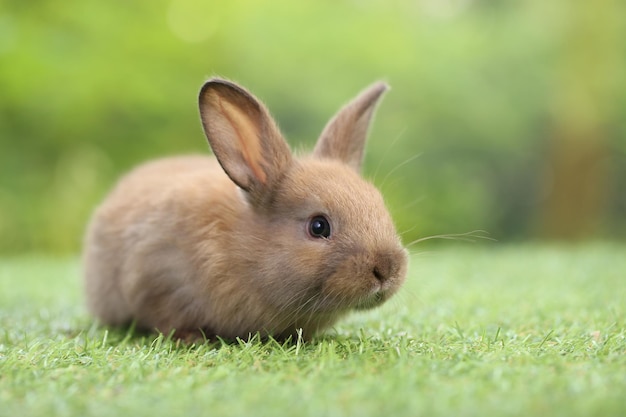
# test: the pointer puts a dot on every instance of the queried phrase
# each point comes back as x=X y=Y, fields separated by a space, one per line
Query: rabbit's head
x=318 y=236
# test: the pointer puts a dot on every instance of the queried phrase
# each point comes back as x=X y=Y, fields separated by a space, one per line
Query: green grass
x=478 y=330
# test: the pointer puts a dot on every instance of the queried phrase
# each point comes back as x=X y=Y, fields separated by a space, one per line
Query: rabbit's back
x=144 y=231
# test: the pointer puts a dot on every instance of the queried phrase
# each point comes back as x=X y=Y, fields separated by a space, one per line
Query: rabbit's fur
x=223 y=245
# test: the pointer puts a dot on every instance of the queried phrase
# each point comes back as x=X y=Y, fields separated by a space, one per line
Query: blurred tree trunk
x=576 y=181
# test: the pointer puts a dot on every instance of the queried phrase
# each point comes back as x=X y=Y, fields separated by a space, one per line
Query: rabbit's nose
x=383 y=267
x=379 y=275
x=388 y=267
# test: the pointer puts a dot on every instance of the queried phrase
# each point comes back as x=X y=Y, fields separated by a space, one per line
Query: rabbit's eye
x=319 y=227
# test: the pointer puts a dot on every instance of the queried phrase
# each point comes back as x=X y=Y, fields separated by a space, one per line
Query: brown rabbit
x=256 y=240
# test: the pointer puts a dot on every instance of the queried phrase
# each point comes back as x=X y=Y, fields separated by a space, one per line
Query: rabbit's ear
x=344 y=136
x=244 y=137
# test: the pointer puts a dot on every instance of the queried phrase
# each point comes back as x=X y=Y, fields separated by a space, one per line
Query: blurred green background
x=504 y=116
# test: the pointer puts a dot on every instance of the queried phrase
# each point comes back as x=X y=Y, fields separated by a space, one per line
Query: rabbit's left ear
x=244 y=137
x=344 y=136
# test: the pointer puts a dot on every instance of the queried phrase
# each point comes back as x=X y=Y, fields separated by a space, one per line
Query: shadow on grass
x=113 y=337
x=131 y=334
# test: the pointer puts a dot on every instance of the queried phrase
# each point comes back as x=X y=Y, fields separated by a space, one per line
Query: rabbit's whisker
x=397 y=167
x=464 y=237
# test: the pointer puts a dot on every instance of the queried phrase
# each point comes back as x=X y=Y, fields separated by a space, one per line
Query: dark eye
x=319 y=227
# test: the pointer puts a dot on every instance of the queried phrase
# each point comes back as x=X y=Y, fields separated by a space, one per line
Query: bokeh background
x=505 y=116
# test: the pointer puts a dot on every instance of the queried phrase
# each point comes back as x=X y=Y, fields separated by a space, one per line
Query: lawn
x=480 y=329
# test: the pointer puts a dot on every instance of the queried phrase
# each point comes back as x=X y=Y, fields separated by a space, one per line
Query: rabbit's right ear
x=244 y=137
x=344 y=136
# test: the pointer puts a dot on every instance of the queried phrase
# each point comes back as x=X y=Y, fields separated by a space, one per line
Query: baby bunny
x=253 y=240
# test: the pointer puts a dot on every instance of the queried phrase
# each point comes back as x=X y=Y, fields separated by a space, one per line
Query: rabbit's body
x=188 y=243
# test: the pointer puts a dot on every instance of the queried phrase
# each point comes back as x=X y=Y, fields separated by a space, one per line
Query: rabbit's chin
x=372 y=301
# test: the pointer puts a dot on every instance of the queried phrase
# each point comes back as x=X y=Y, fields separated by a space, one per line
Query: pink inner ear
x=246 y=134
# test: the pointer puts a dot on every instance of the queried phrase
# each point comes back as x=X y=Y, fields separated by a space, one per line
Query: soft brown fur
x=221 y=245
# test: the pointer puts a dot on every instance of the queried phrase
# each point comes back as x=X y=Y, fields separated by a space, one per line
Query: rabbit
x=252 y=240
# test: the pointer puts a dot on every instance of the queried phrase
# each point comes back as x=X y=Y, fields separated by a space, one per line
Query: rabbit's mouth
x=372 y=301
